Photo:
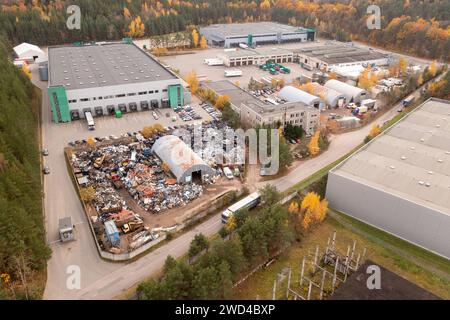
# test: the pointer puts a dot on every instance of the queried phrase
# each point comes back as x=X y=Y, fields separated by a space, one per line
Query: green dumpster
x=118 y=114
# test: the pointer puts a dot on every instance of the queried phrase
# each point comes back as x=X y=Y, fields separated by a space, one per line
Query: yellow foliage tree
x=313 y=145
x=231 y=225
x=165 y=167
x=136 y=28
x=126 y=12
x=367 y=79
x=374 y=131
x=432 y=69
x=158 y=127
x=237 y=83
x=332 y=75
x=159 y=51
x=402 y=65
x=265 y=5
x=313 y=209
x=26 y=70
x=222 y=101
x=293 y=207
x=192 y=81
x=195 y=38
x=203 y=42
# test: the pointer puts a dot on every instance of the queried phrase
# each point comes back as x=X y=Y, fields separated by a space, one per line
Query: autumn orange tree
x=222 y=101
x=374 y=131
x=136 y=28
x=313 y=145
x=26 y=70
x=312 y=209
x=432 y=69
x=192 y=81
x=148 y=131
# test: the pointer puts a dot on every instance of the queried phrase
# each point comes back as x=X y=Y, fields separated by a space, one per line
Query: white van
x=227 y=172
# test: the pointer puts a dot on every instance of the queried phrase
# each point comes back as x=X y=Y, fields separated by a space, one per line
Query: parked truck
x=233 y=73
x=90 y=120
x=407 y=102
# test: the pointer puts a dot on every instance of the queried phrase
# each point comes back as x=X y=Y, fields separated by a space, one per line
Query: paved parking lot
x=188 y=62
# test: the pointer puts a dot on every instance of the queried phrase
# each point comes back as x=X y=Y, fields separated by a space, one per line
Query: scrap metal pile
x=133 y=167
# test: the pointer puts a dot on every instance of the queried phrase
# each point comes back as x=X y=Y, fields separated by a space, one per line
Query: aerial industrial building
x=292 y=94
x=254 y=33
x=332 y=98
x=104 y=78
x=351 y=93
x=183 y=162
x=328 y=56
x=400 y=181
x=257 y=56
x=254 y=111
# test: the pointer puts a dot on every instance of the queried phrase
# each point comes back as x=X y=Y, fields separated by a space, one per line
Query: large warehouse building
x=258 y=56
x=254 y=33
x=104 y=78
x=329 y=56
x=400 y=181
x=183 y=162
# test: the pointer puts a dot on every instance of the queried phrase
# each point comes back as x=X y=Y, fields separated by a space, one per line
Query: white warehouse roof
x=28 y=51
x=292 y=94
x=330 y=96
x=180 y=158
x=400 y=181
x=350 y=92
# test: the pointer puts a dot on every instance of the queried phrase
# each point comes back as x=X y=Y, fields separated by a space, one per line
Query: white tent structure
x=183 y=162
x=292 y=94
x=332 y=98
x=352 y=93
x=28 y=52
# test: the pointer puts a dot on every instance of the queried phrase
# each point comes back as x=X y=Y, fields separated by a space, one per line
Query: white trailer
x=90 y=120
x=233 y=73
x=243 y=45
x=249 y=202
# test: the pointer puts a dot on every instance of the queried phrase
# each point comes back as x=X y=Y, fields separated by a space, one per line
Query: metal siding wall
x=422 y=226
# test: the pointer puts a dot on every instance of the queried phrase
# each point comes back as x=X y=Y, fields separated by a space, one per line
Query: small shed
x=112 y=233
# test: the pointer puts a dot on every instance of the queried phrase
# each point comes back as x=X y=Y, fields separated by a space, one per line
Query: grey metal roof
x=331 y=96
x=411 y=159
x=340 y=53
x=293 y=94
x=346 y=89
x=100 y=65
x=236 y=94
x=180 y=158
x=243 y=29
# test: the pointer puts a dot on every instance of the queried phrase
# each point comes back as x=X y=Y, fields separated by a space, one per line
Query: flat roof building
x=400 y=181
x=254 y=33
x=103 y=78
x=327 y=56
x=257 y=56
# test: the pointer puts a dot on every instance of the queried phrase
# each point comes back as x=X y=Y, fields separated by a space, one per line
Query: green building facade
x=176 y=95
x=59 y=104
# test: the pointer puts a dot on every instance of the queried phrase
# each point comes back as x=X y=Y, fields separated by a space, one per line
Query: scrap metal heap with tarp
x=126 y=171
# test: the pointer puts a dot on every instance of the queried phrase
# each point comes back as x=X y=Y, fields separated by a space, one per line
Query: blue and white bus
x=249 y=202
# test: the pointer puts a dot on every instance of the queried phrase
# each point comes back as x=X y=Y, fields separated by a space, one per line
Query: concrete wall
x=412 y=222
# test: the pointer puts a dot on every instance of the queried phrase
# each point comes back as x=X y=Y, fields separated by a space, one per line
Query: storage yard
x=134 y=189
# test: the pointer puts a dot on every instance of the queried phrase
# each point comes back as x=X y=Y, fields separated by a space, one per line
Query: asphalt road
x=105 y=280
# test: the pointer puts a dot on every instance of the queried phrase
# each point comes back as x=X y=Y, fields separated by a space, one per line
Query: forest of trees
x=22 y=238
x=415 y=26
